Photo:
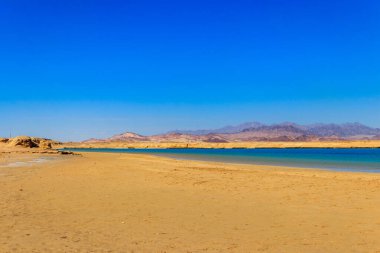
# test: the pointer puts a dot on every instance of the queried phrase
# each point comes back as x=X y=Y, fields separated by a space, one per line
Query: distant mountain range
x=255 y=131
x=223 y=130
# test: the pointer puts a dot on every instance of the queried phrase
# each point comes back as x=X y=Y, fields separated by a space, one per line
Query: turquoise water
x=360 y=160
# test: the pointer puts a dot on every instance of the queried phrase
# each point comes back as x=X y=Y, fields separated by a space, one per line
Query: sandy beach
x=190 y=127
x=141 y=203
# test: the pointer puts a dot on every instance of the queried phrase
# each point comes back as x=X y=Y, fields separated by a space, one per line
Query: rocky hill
x=28 y=142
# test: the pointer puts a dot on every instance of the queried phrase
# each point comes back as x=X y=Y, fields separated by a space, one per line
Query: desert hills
x=248 y=135
x=27 y=144
x=254 y=131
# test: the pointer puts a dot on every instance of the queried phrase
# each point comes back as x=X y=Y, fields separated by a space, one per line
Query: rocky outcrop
x=22 y=141
x=4 y=140
x=30 y=142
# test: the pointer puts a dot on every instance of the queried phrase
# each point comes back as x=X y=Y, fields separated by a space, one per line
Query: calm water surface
x=360 y=160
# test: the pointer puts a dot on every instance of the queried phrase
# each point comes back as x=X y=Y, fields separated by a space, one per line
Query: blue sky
x=71 y=70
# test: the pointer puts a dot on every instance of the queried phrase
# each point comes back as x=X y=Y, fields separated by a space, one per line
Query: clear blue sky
x=71 y=70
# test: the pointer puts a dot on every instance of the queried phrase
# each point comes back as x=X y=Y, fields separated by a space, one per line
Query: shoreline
x=233 y=165
x=229 y=145
x=249 y=166
x=206 y=159
x=168 y=148
x=261 y=167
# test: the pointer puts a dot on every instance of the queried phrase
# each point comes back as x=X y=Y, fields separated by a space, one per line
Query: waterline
x=359 y=160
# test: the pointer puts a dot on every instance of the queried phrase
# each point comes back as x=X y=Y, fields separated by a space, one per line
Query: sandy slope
x=140 y=203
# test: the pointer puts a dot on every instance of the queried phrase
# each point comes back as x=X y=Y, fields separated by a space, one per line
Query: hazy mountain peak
x=223 y=130
x=127 y=134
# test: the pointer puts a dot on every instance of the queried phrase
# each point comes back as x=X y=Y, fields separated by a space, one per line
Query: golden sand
x=141 y=203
